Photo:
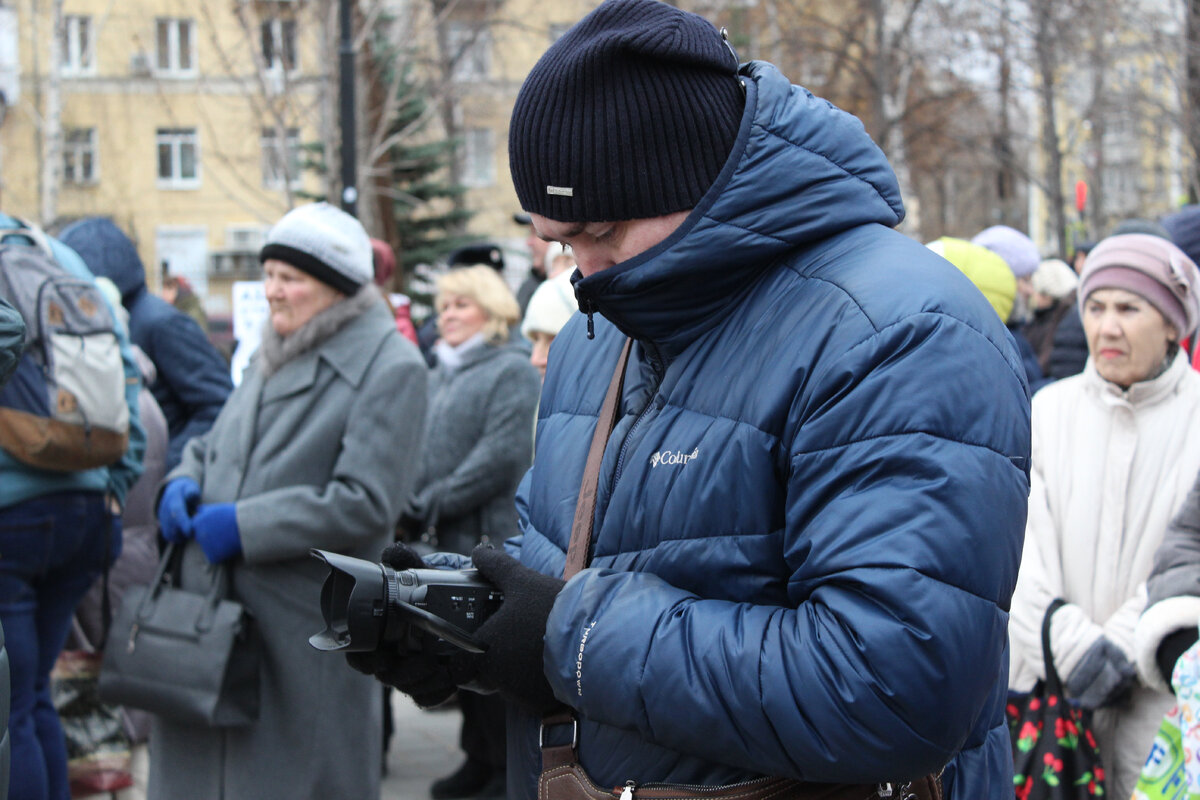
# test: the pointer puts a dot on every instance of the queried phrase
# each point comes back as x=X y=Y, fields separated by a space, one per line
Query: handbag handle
x=579 y=548
x=1053 y=682
x=171 y=558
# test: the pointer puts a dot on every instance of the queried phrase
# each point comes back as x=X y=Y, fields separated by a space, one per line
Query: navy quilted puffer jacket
x=811 y=512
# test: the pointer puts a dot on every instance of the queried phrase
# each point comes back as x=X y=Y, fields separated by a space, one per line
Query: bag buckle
x=888 y=791
x=574 y=733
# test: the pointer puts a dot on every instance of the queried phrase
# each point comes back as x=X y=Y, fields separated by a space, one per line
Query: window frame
x=473 y=46
x=74 y=153
x=177 y=139
x=175 y=26
x=77 y=58
x=279 y=28
x=477 y=164
x=272 y=149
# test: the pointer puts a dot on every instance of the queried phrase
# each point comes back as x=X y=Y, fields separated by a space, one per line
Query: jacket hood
x=801 y=170
x=108 y=253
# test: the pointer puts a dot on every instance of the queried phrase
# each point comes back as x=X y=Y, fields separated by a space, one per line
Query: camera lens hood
x=353 y=598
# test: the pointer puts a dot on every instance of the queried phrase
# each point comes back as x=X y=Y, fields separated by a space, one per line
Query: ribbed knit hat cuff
x=1141 y=284
x=306 y=262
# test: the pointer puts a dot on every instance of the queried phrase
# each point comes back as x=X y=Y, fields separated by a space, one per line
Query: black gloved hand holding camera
x=512 y=664
x=424 y=676
x=515 y=634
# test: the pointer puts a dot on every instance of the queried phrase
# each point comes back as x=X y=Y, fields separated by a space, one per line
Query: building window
x=478 y=167
x=78 y=49
x=280 y=158
x=79 y=155
x=470 y=51
x=178 y=158
x=279 y=44
x=175 y=49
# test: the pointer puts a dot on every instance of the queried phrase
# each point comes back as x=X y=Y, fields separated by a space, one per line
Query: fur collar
x=276 y=350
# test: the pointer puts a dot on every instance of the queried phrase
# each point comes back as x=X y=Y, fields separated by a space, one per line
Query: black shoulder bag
x=188 y=657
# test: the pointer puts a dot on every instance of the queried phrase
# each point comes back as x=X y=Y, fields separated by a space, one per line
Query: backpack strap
x=31 y=232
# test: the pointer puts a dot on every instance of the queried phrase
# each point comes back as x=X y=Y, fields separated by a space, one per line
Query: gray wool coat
x=480 y=432
x=321 y=454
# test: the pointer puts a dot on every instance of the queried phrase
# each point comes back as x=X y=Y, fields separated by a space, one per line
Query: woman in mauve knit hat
x=1115 y=451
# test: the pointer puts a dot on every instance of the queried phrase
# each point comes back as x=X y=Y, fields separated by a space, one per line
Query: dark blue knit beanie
x=631 y=114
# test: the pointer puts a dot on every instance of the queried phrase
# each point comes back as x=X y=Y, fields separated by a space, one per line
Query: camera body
x=365 y=604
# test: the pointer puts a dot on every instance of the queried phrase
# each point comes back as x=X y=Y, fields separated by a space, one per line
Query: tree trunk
x=52 y=119
x=1192 y=96
x=1006 y=178
x=1045 y=44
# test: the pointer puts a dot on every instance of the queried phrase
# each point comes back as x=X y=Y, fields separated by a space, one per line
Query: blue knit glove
x=175 y=509
x=217 y=531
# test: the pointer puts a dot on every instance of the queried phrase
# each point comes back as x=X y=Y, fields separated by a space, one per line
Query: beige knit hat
x=551 y=306
x=1054 y=278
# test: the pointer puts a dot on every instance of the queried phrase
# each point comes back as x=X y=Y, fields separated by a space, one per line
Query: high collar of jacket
x=1142 y=393
x=800 y=171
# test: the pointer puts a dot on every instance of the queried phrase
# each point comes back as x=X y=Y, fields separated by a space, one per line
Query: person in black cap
x=487 y=254
x=808 y=516
x=537 y=263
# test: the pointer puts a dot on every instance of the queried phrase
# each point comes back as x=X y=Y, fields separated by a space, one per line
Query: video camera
x=366 y=604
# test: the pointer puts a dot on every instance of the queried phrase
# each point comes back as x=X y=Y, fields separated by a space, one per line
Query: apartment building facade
x=181 y=121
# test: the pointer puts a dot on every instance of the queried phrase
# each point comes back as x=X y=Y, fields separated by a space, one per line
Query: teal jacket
x=19 y=482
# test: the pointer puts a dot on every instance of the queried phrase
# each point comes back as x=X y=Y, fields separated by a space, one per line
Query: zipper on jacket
x=587 y=308
x=628 y=792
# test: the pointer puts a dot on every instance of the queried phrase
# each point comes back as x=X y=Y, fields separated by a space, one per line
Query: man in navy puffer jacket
x=811 y=509
x=193 y=379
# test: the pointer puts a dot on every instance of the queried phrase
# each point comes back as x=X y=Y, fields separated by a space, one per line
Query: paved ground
x=424 y=748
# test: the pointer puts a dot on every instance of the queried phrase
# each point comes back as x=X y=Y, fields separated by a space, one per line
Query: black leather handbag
x=188 y=657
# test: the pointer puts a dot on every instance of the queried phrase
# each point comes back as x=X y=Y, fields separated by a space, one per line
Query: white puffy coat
x=1110 y=468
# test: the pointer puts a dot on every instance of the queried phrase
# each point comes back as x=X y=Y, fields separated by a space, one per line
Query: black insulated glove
x=512 y=664
x=1173 y=646
x=424 y=676
x=1102 y=677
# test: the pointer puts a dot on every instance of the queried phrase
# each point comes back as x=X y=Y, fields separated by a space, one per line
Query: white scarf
x=451 y=356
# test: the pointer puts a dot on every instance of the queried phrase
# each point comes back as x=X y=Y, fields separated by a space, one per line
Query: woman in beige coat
x=317 y=447
x=1115 y=450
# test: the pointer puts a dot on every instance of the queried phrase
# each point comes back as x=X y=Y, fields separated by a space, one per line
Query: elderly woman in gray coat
x=483 y=396
x=316 y=448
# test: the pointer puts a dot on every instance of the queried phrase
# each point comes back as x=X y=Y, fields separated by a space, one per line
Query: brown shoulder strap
x=581 y=540
x=578 y=550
